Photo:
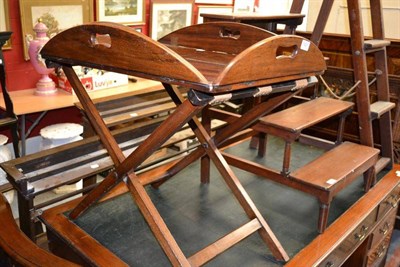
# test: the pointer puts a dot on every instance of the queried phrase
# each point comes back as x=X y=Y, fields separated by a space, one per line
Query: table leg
x=25 y=133
x=22 y=134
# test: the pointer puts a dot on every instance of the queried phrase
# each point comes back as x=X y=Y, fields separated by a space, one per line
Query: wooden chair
x=19 y=249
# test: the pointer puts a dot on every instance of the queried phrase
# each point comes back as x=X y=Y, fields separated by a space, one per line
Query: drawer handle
x=381 y=251
x=362 y=234
x=329 y=264
x=392 y=201
x=385 y=228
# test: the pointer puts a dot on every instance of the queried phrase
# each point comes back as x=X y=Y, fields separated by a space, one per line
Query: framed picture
x=216 y=2
x=243 y=6
x=212 y=10
x=128 y=12
x=58 y=15
x=168 y=16
x=5 y=21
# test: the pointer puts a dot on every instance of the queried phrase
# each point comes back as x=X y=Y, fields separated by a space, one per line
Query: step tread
x=337 y=165
x=299 y=117
x=380 y=107
x=375 y=43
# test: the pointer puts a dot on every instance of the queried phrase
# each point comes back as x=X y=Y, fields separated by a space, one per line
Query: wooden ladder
x=380 y=109
x=367 y=111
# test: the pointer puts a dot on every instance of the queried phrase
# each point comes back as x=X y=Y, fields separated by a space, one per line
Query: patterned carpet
x=393 y=258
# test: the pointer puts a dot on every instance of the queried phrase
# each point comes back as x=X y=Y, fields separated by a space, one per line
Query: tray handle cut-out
x=287 y=51
x=229 y=33
x=97 y=39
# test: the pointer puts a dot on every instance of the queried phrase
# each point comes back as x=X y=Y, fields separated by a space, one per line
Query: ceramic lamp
x=45 y=86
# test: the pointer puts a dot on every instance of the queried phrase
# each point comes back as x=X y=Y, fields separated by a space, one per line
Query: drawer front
x=384 y=227
x=376 y=256
x=390 y=202
x=340 y=254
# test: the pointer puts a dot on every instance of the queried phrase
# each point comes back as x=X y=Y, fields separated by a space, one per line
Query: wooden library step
x=380 y=107
x=304 y=115
x=337 y=167
x=327 y=175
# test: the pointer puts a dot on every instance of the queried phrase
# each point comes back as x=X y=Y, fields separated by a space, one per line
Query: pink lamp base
x=45 y=87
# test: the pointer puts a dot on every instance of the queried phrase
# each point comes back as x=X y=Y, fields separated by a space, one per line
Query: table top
x=26 y=102
x=252 y=16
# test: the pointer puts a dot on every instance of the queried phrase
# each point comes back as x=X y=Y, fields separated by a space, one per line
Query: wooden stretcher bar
x=218 y=61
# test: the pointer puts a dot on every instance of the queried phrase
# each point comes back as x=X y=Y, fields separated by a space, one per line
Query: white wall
x=282 y=7
x=338 y=21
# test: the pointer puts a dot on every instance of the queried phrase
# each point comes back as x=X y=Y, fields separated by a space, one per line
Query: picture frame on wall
x=121 y=11
x=243 y=6
x=215 y=2
x=57 y=15
x=5 y=21
x=212 y=10
x=168 y=16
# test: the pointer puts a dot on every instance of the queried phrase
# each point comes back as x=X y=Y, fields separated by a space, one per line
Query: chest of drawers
x=361 y=236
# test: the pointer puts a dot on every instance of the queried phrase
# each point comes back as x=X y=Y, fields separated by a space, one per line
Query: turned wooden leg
x=262 y=144
x=323 y=216
x=369 y=179
x=254 y=142
x=342 y=121
x=286 y=159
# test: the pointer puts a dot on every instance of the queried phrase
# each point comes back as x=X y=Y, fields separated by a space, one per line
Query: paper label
x=305 y=45
x=94 y=166
x=331 y=181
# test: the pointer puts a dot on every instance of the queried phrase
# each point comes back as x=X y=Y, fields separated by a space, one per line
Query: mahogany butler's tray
x=218 y=62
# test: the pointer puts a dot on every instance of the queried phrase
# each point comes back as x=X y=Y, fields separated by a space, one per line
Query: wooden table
x=26 y=102
x=264 y=21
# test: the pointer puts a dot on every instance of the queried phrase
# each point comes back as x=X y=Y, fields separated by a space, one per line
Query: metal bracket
x=35 y=214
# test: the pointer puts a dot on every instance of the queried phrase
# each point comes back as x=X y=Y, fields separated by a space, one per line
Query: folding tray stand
x=218 y=61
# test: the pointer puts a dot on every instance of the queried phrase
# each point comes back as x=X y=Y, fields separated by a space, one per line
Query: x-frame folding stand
x=185 y=113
